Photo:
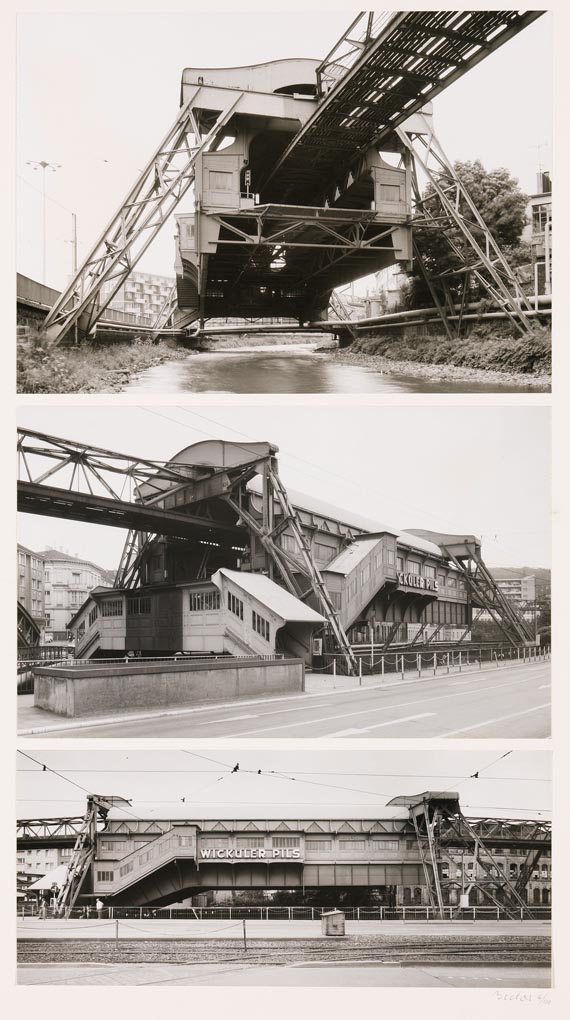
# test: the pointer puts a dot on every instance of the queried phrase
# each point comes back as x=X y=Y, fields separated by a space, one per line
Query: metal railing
x=422 y=663
x=267 y=913
x=26 y=667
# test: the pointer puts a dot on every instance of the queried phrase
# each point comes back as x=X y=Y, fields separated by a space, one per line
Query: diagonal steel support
x=157 y=191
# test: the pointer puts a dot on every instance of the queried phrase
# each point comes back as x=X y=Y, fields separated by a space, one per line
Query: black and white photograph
x=284 y=572
x=339 y=205
x=275 y=868
x=286 y=522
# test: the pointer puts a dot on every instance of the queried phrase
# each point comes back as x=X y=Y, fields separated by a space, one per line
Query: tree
x=502 y=205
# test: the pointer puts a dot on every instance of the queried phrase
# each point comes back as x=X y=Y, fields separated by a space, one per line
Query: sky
x=98 y=98
x=312 y=783
x=480 y=469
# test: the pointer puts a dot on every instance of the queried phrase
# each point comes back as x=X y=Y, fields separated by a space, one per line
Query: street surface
x=300 y=975
x=510 y=701
x=55 y=928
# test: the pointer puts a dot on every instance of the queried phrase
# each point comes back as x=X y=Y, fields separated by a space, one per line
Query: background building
x=538 y=232
x=67 y=581
x=31 y=583
x=143 y=295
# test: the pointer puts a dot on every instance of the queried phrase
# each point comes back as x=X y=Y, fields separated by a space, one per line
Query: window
x=451 y=581
x=365 y=574
x=138 y=607
x=126 y=869
x=429 y=571
x=540 y=217
x=235 y=605
x=413 y=567
x=389 y=557
x=105 y=876
x=285 y=841
x=93 y=616
x=250 y=841
x=411 y=844
x=184 y=841
x=81 y=630
x=400 y=563
x=289 y=543
x=260 y=625
x=322 y=845
x=215 y=841
x=351 y=844
x=324 y=553
x=386 y=844
x=389 y=192
x=113 y=844
x=441 y=580
x=112 y=607
x=220 y=181
x=351 y=590
x=204 y=601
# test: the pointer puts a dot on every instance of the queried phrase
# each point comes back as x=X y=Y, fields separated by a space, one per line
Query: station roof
x=272 y=595
x=350 y=557
x=351 y=519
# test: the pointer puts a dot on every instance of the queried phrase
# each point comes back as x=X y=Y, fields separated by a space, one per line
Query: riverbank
x=90 y=368
x=479 y=358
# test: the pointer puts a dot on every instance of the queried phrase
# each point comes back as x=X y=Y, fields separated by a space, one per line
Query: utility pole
x=43 y=165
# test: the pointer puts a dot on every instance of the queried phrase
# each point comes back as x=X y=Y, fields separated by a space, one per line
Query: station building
x=162 y=862
x=223 y=594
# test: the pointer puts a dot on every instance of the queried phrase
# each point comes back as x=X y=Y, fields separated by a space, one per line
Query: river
x=293 y=368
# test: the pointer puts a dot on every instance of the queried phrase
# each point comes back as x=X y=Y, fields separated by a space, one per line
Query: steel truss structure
x=384 y=69
x=449 y=209
x=90 y=465
x=489 y=596
x=441 y=827
x=28 y=629
x=83 y=851
x=162 y=183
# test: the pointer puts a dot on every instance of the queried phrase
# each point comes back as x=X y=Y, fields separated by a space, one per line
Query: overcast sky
x=480 y=470
x=97 y=92
x=316 y=784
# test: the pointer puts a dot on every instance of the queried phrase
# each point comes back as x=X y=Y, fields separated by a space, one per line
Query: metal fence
x=407 y=662
x=262 y=913
x=27 y=665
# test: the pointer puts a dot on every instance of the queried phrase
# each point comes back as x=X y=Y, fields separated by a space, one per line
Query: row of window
x=445 y=612
x=260 y=625
x=235 y=605
x=204 y=601
x=139 y=606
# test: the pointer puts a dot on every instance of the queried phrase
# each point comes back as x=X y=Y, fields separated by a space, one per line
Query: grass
x=487 y=347
x=90 y=368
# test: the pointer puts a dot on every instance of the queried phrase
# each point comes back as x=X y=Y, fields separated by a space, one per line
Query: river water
x=292 y=368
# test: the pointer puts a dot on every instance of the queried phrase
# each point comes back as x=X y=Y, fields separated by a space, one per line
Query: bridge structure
x=402 y=853
x=219 y=506
x=304 y=176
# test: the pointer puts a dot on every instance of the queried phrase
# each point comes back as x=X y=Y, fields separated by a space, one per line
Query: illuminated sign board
x=249 y=854
x=415 y=581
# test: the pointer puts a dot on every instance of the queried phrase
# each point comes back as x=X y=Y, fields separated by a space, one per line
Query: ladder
x=313 y=572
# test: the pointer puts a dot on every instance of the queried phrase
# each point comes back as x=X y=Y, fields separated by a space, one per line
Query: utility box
x=333 y=922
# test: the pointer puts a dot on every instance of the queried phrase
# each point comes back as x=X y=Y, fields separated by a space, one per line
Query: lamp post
x=43 y=165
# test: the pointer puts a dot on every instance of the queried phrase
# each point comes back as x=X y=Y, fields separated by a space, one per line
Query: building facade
x=31 y=592
x=67 y=582
x=143 y=295
x=538 y=233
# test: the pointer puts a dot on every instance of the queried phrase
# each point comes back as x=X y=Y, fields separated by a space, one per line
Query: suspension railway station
x=304 y=175
x=422 y=851
x=221 y=560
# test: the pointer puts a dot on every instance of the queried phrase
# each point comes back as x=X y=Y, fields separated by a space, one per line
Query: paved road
x=500 y=978
x=511 y=701
x=52 y=928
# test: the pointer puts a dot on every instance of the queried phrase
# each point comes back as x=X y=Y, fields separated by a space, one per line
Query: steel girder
x=479 y=255
x=162 y=183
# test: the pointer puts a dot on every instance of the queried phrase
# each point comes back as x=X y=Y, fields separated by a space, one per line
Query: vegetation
x=502 y=205
x=90 y=368
x=489 y=347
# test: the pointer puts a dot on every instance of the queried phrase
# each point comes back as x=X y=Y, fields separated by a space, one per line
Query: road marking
x=233 y=718
x=489 y=722
x=377 y=726
x=369 y=710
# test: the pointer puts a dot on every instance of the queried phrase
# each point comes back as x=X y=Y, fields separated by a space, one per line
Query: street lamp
x=43 y=166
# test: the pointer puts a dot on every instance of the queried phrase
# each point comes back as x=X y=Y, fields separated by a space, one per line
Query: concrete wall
x=83 y=691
